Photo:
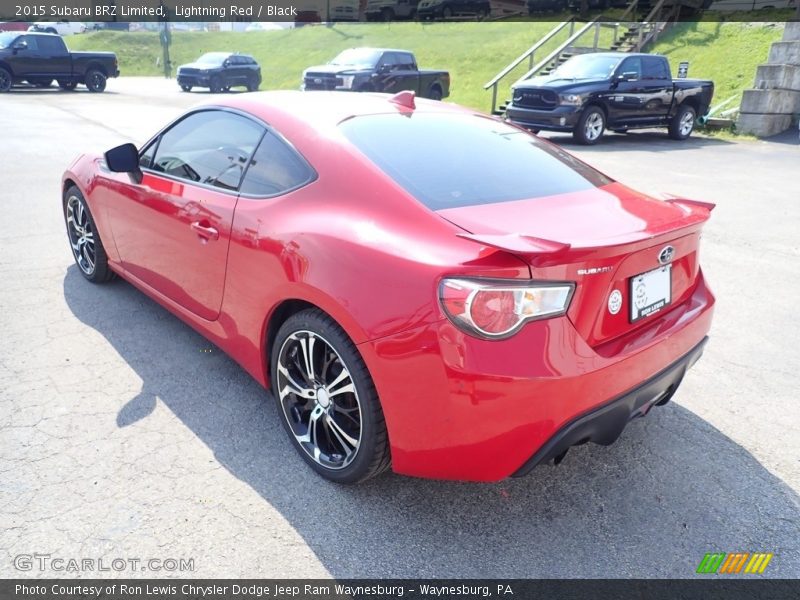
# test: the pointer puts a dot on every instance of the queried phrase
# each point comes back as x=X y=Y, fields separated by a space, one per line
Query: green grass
x=727 y=53
x=473 y=52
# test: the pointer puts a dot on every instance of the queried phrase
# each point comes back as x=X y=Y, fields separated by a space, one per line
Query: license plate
x=650 y=292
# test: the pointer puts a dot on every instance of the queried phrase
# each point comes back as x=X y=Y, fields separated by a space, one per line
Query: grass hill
x=473 y=52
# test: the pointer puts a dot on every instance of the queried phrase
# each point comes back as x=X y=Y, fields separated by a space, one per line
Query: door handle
x=205 y=231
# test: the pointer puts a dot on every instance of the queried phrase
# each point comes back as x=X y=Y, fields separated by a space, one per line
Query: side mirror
x=226 y=63
x=385 y=69
x=124 y=159
x=628 y=76
x=21 y=46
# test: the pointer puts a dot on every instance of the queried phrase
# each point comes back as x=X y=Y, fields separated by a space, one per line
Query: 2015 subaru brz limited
x=420 y=286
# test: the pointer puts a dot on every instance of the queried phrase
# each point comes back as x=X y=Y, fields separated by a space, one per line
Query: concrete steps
x=773 y=105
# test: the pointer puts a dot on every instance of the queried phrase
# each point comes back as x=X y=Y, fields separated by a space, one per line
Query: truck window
x=388 y=59
x=30 y=41
x=654 y=67
x=405 y=62
x=51 y=46
x=632 y=65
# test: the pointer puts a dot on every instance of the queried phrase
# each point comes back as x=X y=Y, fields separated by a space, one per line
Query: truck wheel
x=5 y=80
x=682 y=123
x=67 y=85
x=435 y=93
x=252 y=84
x=95 y=81
x=590 y=126
x=186 y=88
x=216 y=85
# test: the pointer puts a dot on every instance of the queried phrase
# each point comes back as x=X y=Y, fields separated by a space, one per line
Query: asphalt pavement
x=125 y=434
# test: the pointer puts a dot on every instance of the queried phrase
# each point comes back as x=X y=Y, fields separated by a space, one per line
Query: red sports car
x=421 y=286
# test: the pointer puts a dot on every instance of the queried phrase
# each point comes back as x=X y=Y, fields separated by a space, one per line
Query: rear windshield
x=447 y=161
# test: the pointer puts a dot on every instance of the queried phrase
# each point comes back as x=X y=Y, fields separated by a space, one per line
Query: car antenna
x=404 y=98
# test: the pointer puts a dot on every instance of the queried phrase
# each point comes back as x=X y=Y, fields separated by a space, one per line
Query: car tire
x=226 y=88
x=340 y=432
x=216 y=85
x=590 y=127
x=89 y=254
x=67 y=85
x=682 y=124
x=95 y=81
x=252 y=84
x=435 y=93
x=186 y=88
x=6 y=80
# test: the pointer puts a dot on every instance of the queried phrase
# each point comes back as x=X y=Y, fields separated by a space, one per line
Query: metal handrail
x=513 y=65
x=550 y=57
x=631 y=9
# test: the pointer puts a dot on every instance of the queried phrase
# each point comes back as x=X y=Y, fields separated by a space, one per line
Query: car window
x=447 y=161
x=632 y=65
x=654 y=68
x=210 y=147
x=275 y=168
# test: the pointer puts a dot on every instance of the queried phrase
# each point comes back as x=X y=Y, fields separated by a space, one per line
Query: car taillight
x=497 y=309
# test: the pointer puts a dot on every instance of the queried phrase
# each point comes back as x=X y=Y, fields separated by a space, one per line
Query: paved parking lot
x=122 y=435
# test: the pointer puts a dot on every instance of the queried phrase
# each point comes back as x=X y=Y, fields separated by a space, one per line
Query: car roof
x=322 y=110
x=37 y=33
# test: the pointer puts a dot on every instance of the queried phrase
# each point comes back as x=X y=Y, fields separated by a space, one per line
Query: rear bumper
x=605 y=424
x=458 y=407
x=561 y=118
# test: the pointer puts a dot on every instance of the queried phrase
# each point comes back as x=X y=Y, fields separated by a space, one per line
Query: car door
x=172 y=230
x=639 y=97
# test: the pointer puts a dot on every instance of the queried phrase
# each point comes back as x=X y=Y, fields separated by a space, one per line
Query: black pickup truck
x=39 y=58
x=377 y=70
x=590 y=93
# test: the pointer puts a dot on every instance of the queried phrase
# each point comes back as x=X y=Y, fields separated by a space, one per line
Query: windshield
x=447 y=161
x=358 y=57
x=588 y=66
x=7 y=38
x=213 y=58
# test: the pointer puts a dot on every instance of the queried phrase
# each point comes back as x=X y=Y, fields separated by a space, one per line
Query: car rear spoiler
x=691 y=203
x=523 y=245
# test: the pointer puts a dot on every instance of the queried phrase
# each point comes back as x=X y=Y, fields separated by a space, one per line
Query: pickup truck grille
x=541 y=99
x=321 y=81
x=185 y=71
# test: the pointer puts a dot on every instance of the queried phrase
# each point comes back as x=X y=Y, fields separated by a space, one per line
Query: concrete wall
x=774 y=103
